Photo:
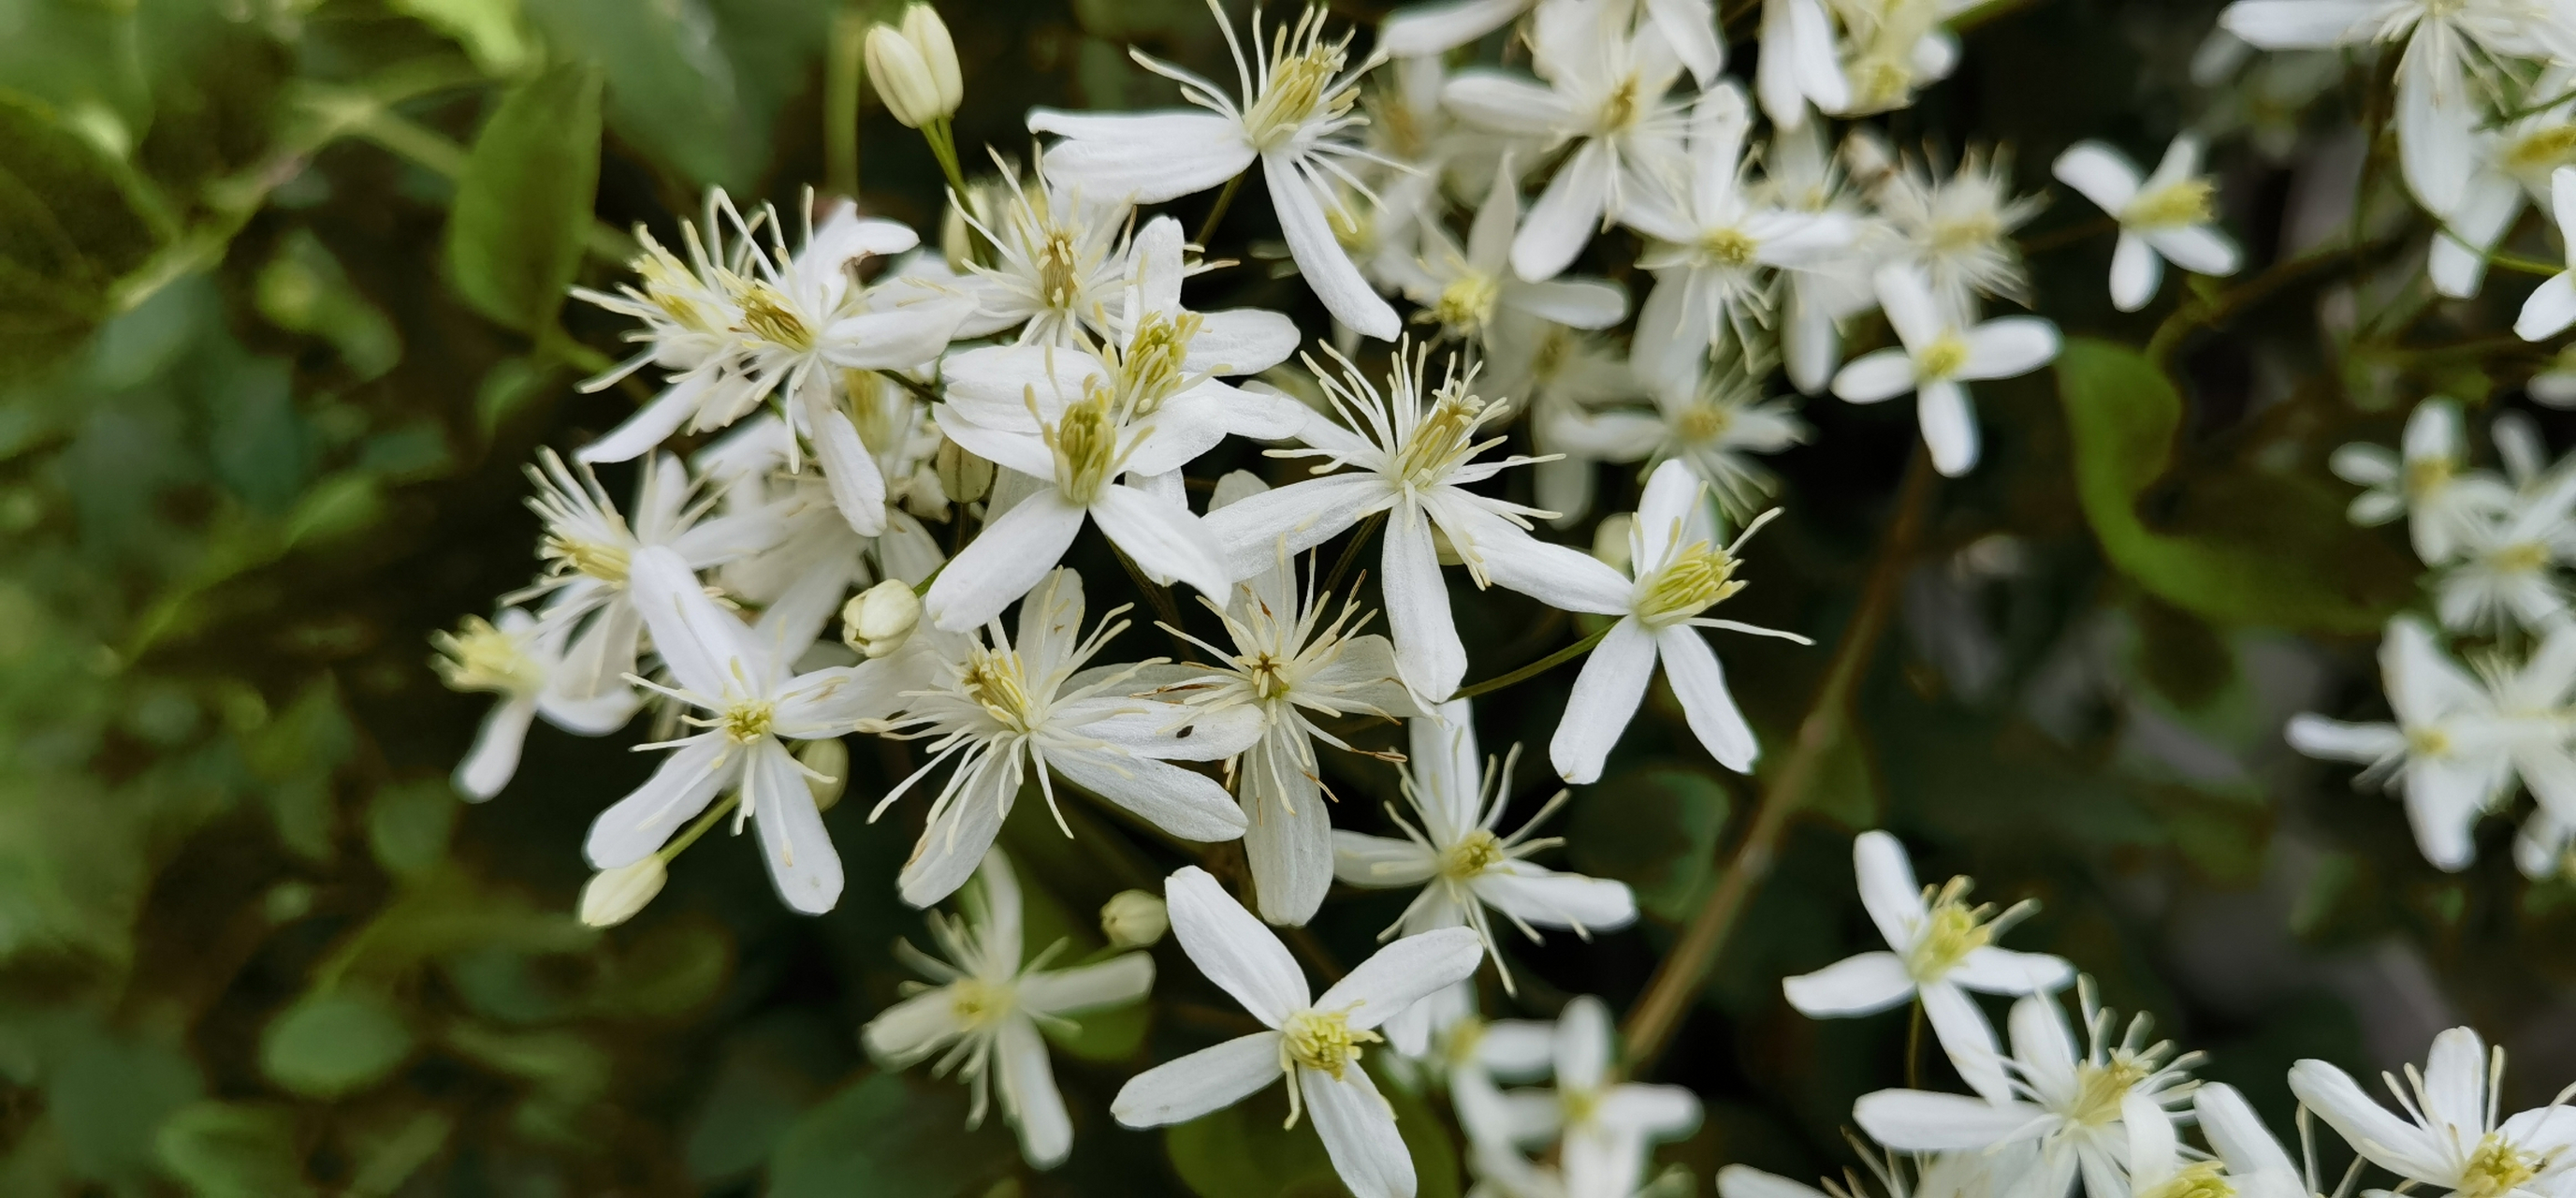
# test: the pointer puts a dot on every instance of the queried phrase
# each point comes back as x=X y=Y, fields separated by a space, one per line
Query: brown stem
x=1675 y=987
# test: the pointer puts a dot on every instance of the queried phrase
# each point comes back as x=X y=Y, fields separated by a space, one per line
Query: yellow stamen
x=1302 y=65
x=2189 y=202
x=1480 y=851
x=1085 y=443
x=479 y=657
x=2199 y=1179
x=997 y=683
x=1695 y=578
x=767 y=314
x=1728 y=247
x=2496 y=1168
x=599 y=559
x=1942 y=358
x=1322 y=1040
x=1442 y=438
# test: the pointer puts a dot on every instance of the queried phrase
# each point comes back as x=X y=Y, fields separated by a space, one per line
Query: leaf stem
x=842 y=96
x=1351 y=554
x=1224 y=200
x=1536 y=668
x=681 y=842
x=1675 y=986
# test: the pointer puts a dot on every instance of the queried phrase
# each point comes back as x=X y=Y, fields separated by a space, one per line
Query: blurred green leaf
x=107 y=1092
x=334 y=1043
x=408 y=826
x=68 y=232
x=670 y=89
x=2272 y=552
x=490 y=30
x=233 y=1150
x=389 y=1151
x=304 y=290
x=1111 y=1035
x=340 y=505
x=563 y=1063
x=1654 y=827
x=886 y=1134
x=523 y=205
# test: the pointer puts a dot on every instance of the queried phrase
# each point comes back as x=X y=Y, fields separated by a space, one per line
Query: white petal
x=802 y=863
x=2393 y=1143
x=1003 y=562
x=2041 y=1041
x=2551 y=308
x=1887 y=888
x=652 y=424
x=955 y=842
x=1949 y=426
x=857 y=486
x=2455 y=1083
x=1691 y=26
x=1906 y=296
x=2135 y=272
x=895 y=339
x=2002 y=971
x=1233 y=949
x=1542 y=897
x=2299 y=24
x=2236 y=1133
x=1360 y=859
x=1559 y=576
x=1288 y=837
x=1021 y=452
x=1187 y=805
x=2318 y=736
x=2436 y=123
x=2198 y=249
x=1255 y=531
x=1399 y=975
x=1427 y=649
x=2099 y=173
x=1425 y=29
x=1566 y=216
x=1241 y=341
x=1861 y=985
x=1115 y=982
x=495 y=756
x=1582 y=1043
x=1210 y=1079
x=1029 y=1095
x=2009 y=346
x=1575 y=303
x=1605 y=698
x=1319 y=254
x=911 y=1030
x=1874 y=376
x=698 y=640
x=1700 y=683
x=1917 y=1121
x=633 y=827
x=1967 y=1039
x=1146 y=157
x=1358 y=1130
x=1745 y=1181
x=1164 y=538
x=1507 y=103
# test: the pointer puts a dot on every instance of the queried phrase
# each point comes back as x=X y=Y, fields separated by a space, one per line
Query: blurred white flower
x=2442 y=753
x=2431 y=481
x=2551 y=307
x=2164 y=216
x=520 y=660
x=1604 y=1127
x=1942 y=351
x=2450 y=1139
x=1466 y=290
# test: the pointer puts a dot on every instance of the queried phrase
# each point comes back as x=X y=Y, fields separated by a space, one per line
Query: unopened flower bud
x=905 y=80
x=1134 y=919
x=613 y=896
x=1610 y=540
x=875 y=621
x=929 y=35
x=829 y=761
x=962 y=475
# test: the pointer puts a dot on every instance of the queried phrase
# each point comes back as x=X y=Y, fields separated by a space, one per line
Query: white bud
x=1134 y=919
x=613 y=896
x=929 y=36
x=876 y=621
x=831 y=759
x=1610 y=540
x=903 y=80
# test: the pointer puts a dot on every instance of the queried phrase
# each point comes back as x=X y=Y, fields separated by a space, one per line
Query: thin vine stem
x=1536 y=668
x=1674 y=989
x=1351 y=554
x=1224 y=200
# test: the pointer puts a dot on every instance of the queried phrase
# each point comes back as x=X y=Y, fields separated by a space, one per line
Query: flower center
x=2099 y=1089
x=2428 y=742
x=1619 y=109
x=1703 y=422
x=2521 y=557
x=2542 y=150
x=1728 y=247
x=2189 y=202
x=602 y=560
x=1880 y=81
x=1059 y=270
x=1269 y=674
x=996 y=683
x=1149 y=370
x=748 y=720
x=2199 y=1179
x=880 y=423
x=980 y=1004
x=670 y=286
x=1458 y=1047
x=479 y=657
x=1302 y=65
x=1322 y=1040
x=1942 y=358
x=1468 y=301
x=2427 y=475
x=766 y=314
x=1441 y=439
x=1580 y=1104
x=1960 y=236
x=1691 y=581
x=2496 y=1168
x=1480 y=851
x=1951 y=931
x=1085 y=443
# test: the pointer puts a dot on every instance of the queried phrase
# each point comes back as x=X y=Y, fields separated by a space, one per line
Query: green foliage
x=334 y=1043
x=68 y=233
x=886 y=1134
x=1656 y=828
x=523 y=204
x=233 y=1150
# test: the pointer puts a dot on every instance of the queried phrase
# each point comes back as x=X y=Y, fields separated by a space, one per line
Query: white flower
x=520 y=660
x=1607 y=77
x=878 y=620
x=1959 y=229
x=1291 y=654
x=1942 y=351
x=982 y=1014
x=1720 y=244
x=2552 y=305
x=2448 y=500
x=2450 y=1139
x=1563 y=376
x=1149 y=402
x=1425 y=30
x=1464 y=291
x=2445 y=40
x=1797 y=67
x=2442 y=751
x=2163 y=216
x=1710 y=420
x=1460 y=861
x=1315 y=1043
x=1291 y=121
x=1606 y=1126
x=1002 y=707
x=1893 y=48
x=1413 y=458
x=1939 y=948
x=1802 y=172
x=1677 y=571
x=2515 y=165
x=2075 y=1103
x=2245 y=1158
x=1063 y=262
x=741 y=677
x=798 y=321
x=588 y=545
x=2508 y=572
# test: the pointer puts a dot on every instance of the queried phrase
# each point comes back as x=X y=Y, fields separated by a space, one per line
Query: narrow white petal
x=802 y=862
x=1399 y=975
x=1163 y=538
x=1029 y=1094
x=1605 y=698
x=1427 y=649
x=2098 y=173
x=2136 y=272
x=495 y=756
x=1949 y=426
x=1874 y=376
x=1358 y=1130
x=1968 y=1040
x=1115 y=982
x=1917 y=1121
x=633 y=827
x=955 y=842
x=1566 y=216
x=1319 y=254
x=1188 y=805
x=1888 y=890
x=1861 y=985
x=2551 y=308
x=1700 y=683
x=1003 y=562
x=1210 y=1079
x=1233 y=949
x=1145 y=157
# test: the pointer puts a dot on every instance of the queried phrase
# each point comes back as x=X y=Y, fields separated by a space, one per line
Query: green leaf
x=671 y=90
x=888 y=1134
x=67 y=233
x=2245 y=548
x=1109 y=1035
x=233 y=1150
x=334 y=1043
x=1654 y=827
x=408 y=826
x=523 y=204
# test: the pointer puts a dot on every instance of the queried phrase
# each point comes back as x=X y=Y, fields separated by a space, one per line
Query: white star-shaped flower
x=2163 y=217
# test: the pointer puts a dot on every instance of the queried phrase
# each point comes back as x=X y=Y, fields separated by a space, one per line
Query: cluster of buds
x=914 y=65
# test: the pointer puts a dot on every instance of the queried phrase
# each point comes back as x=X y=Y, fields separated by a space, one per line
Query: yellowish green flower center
x=1150 y=370
x=1728 y=247
x=1480 y=851
x=1619 y=108
x=479 y=657
x=2428 y=742
x=1085 y=443
x=767 y=314
x=2199 y=1179
x=2496 y=1168
x=1059 y=268
x=997 y=683
x=980 y=1004
x=1703 y=421
x=1269 y=674
x=1302 y=65
x=1951 y=930
x=1322 y=1040
x=748 y=720
x=1442 y=438
x=1468 y=301
x=1942 y=358
x=2542 y=150
x=1694 y=579
x=603 y=560
x=2425 y=476
x=2190 y=202
x=1458 y=1046
x=2521 y=557
x=2099 y=1089
x=1880 y=80
x=1964 y=235
x=1580 y=1104
x=669 y=286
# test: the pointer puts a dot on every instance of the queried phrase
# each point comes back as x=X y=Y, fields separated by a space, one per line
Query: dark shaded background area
x=262 y=432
